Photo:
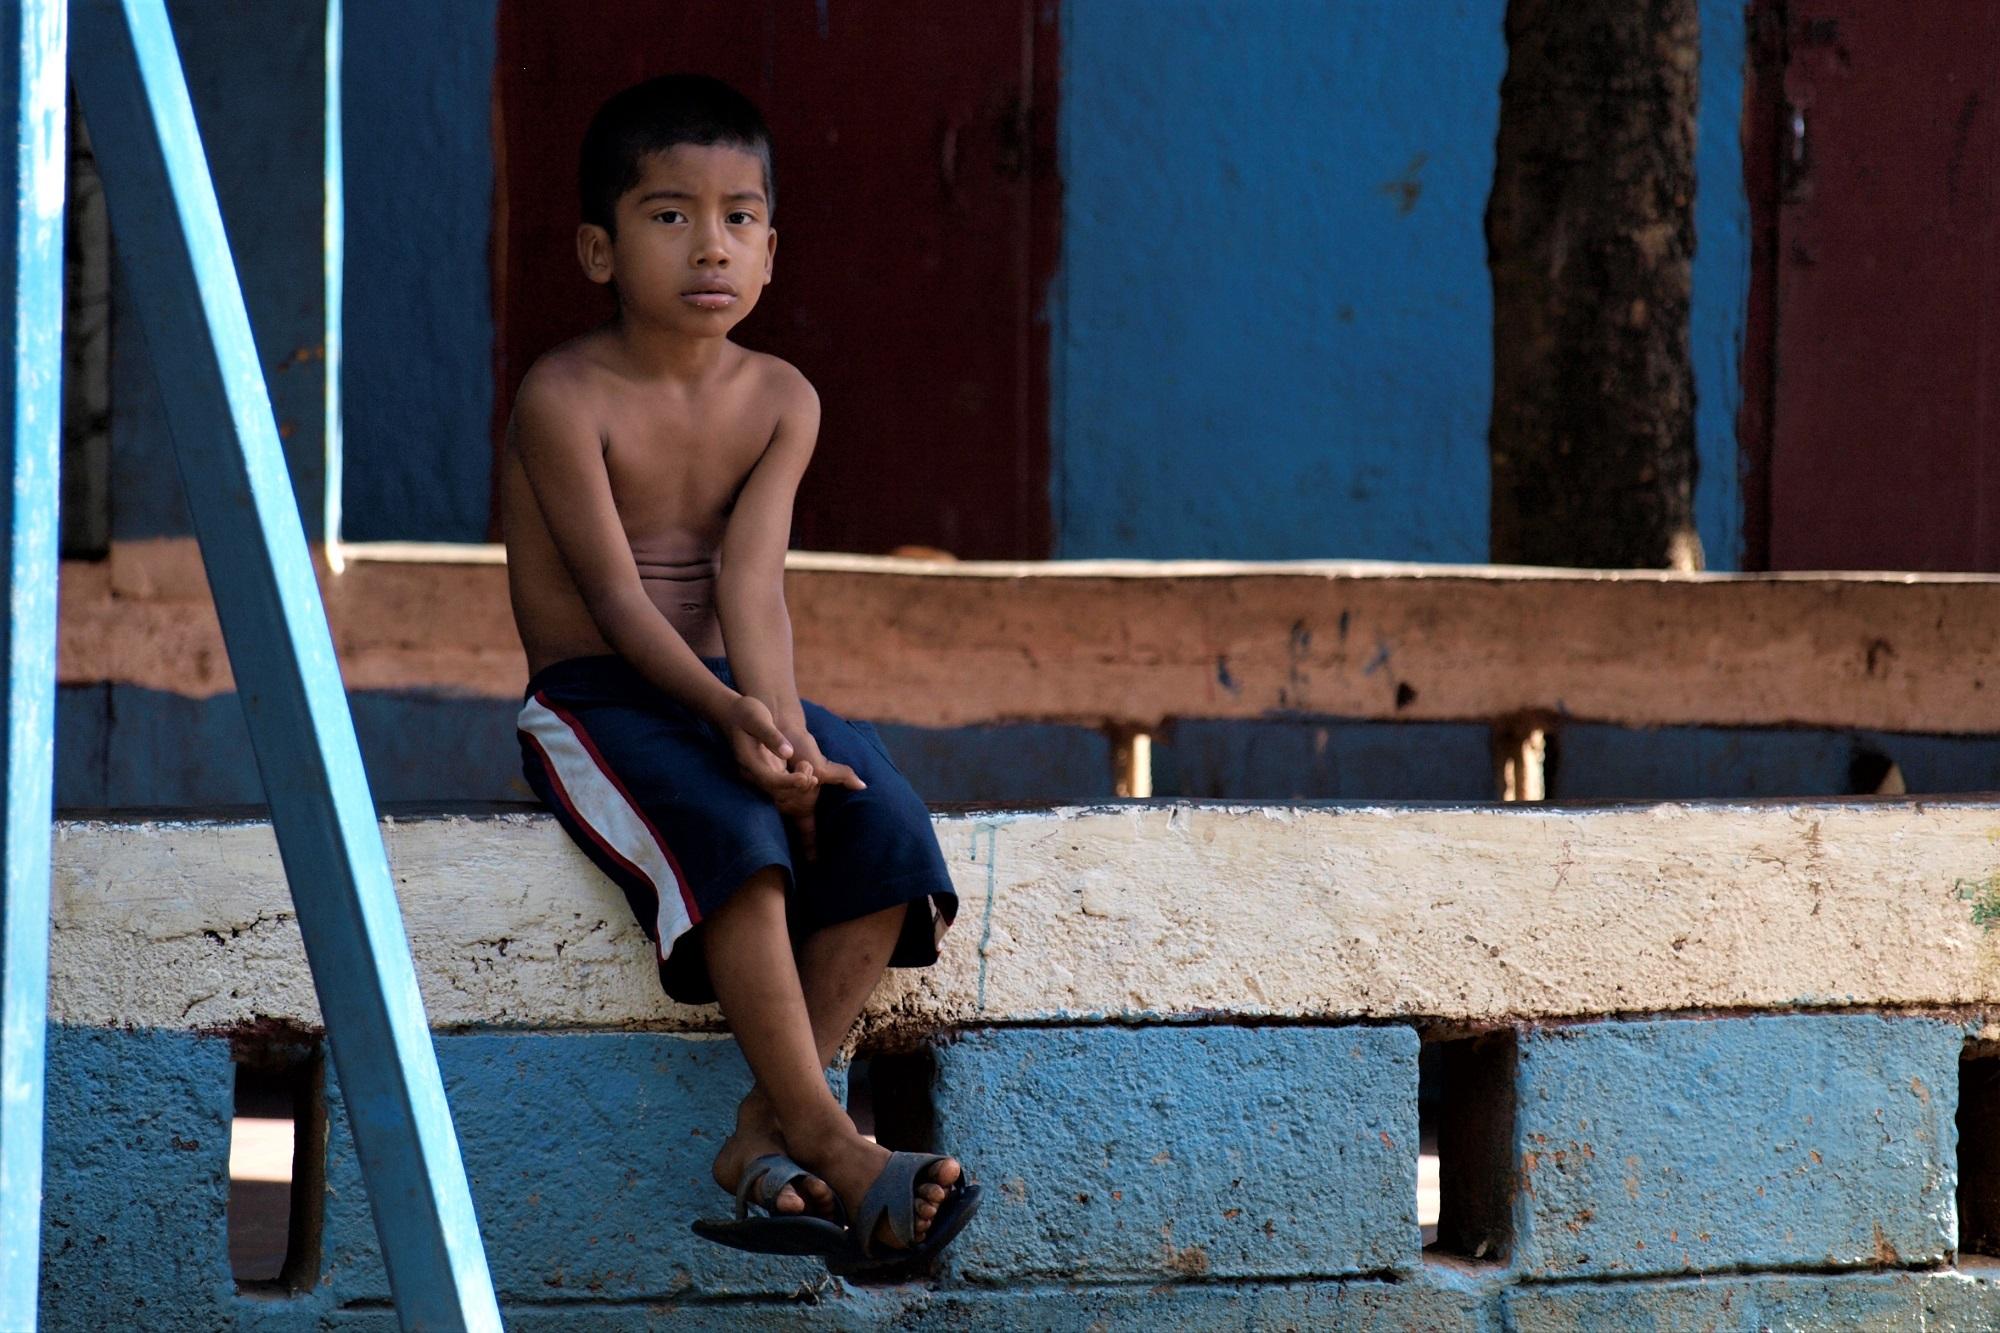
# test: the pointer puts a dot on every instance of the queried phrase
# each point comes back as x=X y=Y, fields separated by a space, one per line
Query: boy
x=646 y=497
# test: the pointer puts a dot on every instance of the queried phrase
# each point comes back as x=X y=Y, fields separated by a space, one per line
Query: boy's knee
x=761 y=894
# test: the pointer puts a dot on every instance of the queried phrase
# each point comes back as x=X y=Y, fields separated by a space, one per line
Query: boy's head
x=676 y=186
x=655 y=117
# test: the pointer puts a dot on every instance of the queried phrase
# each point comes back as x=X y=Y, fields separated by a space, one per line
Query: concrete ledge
x=1134 y=642
x=1138 y=912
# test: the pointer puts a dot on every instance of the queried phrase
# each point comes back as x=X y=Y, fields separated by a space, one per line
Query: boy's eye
x=742 y=219
x=669 y=215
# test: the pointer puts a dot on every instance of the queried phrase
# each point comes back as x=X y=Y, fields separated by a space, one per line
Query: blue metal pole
x=170 y=241
x=32 y=92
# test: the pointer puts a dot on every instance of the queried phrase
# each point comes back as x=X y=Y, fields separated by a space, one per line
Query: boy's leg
x=750 y=962
x=838 y=970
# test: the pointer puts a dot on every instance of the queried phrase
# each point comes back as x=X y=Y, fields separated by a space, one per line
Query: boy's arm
x=750 y=587
x=564 y=462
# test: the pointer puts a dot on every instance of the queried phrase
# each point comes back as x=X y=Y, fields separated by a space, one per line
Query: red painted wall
x=917 y=216
x=1884 y=289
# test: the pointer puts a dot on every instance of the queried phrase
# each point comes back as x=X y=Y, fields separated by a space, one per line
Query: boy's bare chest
x=679 y=476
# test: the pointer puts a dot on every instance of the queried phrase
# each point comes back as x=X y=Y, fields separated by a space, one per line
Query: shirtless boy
x=771 y=850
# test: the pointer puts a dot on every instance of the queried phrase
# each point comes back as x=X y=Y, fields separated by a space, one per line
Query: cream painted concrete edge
x=1145 y=911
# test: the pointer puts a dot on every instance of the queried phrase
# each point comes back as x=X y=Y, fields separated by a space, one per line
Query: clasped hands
x=786 y=763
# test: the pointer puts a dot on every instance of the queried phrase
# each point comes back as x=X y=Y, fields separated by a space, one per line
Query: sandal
x=773 y=1232
x=892 y=1198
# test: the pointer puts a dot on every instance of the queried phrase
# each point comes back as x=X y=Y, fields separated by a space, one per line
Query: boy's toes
x=931 y=1193
x=819 y=1200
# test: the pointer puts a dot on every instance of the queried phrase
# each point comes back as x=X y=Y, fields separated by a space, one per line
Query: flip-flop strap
x=763 y=1181
x=893 y=1198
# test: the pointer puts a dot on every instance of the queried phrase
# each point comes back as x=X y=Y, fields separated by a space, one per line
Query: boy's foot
x=852 y=1165
x=757 y=1135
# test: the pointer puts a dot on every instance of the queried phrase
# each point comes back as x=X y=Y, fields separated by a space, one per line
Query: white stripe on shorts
x=597 y=800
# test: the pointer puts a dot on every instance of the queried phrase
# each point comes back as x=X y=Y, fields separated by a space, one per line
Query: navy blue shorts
x=650 y=791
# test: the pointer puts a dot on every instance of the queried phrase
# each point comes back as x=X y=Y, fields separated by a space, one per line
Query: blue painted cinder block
x=1597 y=762
x=122 y=746
x=1323 y=759
x=136 y=1181
x=1697 y=1145
x=1191 y=1152
x=1015 y=762
x=1934 y=1302
x=589 y=1155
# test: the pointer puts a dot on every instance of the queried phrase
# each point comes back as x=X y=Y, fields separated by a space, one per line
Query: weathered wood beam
x=1133 y=643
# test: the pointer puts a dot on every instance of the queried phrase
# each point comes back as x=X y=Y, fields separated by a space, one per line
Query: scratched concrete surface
x=1129 y=912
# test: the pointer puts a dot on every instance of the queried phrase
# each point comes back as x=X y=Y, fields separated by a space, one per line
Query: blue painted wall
x=1272 y=325
x=419 y=319
x=260 y=120
x=1721 y=281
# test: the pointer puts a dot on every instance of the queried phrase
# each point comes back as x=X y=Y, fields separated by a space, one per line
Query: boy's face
x=694 y=245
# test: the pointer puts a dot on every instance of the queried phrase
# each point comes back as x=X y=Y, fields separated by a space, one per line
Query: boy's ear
x=771 y=254
x=593 y=251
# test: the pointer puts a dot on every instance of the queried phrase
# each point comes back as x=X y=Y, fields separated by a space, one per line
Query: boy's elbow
x=613 y=611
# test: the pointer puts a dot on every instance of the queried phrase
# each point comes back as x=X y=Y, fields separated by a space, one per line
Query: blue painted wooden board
x=177 y=266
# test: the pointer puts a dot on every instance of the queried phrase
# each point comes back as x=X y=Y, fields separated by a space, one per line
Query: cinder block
x=135 y=1180
x=1701 y=1145
x=589 y=1155
x=1932 y=1302
x=1184 y=1152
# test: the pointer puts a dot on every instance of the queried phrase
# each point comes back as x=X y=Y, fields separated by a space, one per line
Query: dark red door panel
x=917 y=219
x=1884 y=412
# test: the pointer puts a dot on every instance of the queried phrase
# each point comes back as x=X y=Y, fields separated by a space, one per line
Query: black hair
x=657 y=115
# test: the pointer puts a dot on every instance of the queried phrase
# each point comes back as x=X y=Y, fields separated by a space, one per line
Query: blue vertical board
x=1272 y=319
x=169 y=238
x=255 y=76
x=334 y=271
x=32 y=37
x=417 y=81
x=1720 y=303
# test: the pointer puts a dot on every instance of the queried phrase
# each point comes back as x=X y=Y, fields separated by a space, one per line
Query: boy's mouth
x=712 y=295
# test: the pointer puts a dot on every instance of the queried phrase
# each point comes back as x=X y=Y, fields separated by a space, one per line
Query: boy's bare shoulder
x=568 y=382
x=776 y=380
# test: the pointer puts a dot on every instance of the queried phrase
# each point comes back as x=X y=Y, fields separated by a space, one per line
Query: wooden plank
x=1130 y=643
x=1139 y=913
x=32 y=106
x=178 y=269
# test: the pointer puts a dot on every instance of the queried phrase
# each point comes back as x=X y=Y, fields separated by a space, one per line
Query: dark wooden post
x=1590 y=234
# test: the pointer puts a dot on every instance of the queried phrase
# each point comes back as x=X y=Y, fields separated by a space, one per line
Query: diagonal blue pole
x=169 y=239
x=32 y=92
